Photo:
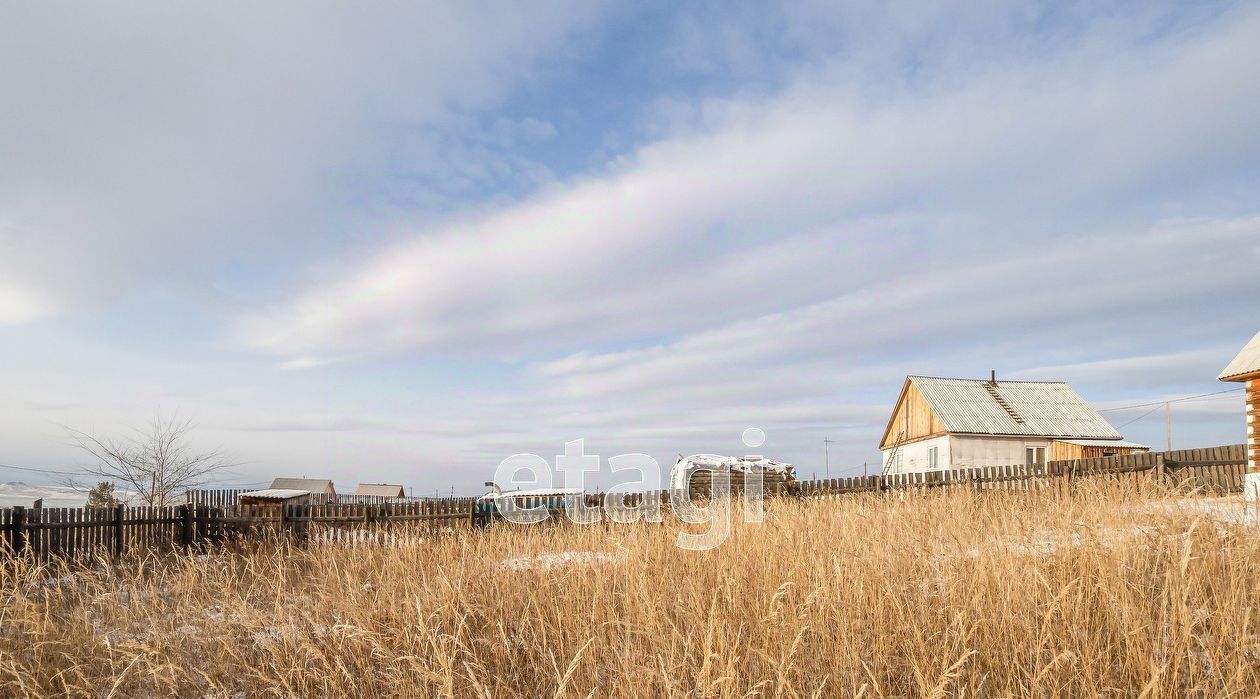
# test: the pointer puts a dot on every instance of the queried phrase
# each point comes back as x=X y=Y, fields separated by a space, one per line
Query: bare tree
x=156 y=461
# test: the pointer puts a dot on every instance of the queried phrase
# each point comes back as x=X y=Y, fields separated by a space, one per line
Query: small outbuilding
x=277 y=497
x=320 y=488
x=1245 y=369
x=380 y=490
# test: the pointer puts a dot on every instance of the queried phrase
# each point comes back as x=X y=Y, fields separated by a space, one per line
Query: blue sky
x=400 y=243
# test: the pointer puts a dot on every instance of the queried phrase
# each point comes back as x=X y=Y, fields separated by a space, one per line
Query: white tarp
x=687 y=465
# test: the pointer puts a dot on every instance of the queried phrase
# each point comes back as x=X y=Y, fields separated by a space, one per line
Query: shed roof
x=1117 y=443
x=275 y=494
x=1247 y=362
x=1036 y=408
x=308 y=485
x=380 y=490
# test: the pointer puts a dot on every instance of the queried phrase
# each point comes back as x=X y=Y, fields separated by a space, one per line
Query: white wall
x=970 y=452
x=954 y=451
x=914 y=456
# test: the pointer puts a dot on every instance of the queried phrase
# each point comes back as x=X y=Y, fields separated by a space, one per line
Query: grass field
x=1103 y=593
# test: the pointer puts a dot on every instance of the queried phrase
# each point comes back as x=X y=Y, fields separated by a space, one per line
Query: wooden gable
x=912 y=419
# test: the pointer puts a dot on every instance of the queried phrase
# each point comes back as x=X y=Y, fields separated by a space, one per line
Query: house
x=1246 y=369
x=322 y=489
x=380 y=490
x=940 y=424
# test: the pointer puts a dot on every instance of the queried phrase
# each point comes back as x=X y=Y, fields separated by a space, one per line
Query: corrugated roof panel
x=1247 y=361
x=310 y=485
x=1047 y=409
x=1117 y=443
x=380 y=490
x=275 y=494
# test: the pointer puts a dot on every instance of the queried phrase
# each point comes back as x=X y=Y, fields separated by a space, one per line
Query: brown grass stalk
x=1101 y=592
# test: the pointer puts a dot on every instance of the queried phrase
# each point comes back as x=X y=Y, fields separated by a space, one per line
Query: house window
x=1035 y=456
x=932 y=463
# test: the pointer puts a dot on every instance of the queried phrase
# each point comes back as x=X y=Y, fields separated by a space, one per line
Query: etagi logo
x=634 y=496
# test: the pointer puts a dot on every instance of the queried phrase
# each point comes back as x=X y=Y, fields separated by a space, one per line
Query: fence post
x=203 y=524
x=120 y=511
x=19 y=530
x=186 y=528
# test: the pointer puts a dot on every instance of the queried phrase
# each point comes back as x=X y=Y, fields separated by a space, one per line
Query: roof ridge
x=1000 y=381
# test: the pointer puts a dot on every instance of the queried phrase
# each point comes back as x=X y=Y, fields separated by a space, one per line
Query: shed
x=380 y=490
x=275 y=496
x=316 y=486
x=1245 y=369
x=942 y=423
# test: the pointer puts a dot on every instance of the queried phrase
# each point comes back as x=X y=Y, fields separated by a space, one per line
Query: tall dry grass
x=1101 y=593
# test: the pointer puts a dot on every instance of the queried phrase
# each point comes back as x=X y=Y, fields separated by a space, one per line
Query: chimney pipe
x=993 y=376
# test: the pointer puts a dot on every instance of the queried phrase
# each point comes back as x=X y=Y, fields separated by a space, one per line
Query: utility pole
x=1168 y=422
x=827 y=455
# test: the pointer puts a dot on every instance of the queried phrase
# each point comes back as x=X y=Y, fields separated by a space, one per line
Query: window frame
x=1031 y=452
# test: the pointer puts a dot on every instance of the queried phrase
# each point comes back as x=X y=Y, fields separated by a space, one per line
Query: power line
x=1130 y=422
x=1174 y=400
x=41 y=470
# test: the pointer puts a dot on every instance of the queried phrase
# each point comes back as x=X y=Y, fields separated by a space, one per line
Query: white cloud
x=1013 y=305
x=300 y=363
x=19 y=305
x=933 y=187
x=150 y=144
x=873 y=187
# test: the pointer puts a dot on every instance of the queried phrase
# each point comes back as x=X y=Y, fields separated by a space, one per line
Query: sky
x=400 y=242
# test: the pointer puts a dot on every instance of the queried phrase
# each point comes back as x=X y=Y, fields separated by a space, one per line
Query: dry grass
x=957 y=594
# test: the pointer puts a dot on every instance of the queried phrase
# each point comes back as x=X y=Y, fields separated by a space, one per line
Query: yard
x=959 y=593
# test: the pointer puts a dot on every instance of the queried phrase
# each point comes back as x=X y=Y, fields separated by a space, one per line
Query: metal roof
x=1247 y=361
x=308 y=485
x=1119 y=443
x=276 y=494
x=380 y=490
x=1037 y=408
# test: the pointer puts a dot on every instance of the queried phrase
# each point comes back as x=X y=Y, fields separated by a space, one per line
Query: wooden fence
x=229 y=497
x=211 y=518
x=1215 y=470
x=47 y=533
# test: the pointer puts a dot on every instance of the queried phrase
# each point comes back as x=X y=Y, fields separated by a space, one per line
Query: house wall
x=914 y=456
x=964 y=451
x=1062 y=451
x=913 y=419
x=984 y=450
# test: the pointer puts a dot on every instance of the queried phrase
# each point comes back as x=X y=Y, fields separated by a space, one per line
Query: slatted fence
x=212 y=518
x=74 y=533
x=1214 y=470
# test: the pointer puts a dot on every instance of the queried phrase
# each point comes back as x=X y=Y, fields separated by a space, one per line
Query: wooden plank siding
x=912 y=419
x=1063 y=451
x=1253 y=425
